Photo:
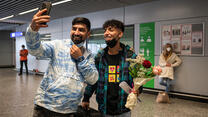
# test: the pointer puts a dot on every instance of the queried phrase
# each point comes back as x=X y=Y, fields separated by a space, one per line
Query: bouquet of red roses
x=142 y=71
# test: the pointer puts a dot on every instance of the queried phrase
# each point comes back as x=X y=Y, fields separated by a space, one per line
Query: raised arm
x=32 y=37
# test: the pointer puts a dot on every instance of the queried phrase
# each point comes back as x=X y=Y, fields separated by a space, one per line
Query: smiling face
x=111 y=33
x=79 y=33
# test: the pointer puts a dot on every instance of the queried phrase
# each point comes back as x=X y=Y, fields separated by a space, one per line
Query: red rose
x=147 y=64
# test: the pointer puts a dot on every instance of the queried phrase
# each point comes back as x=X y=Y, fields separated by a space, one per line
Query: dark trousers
x=21 y=67
x=42 y=112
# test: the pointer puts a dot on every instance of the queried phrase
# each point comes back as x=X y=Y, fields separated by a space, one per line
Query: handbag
x=162 y=97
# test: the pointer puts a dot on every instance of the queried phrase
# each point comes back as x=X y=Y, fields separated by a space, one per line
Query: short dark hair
x=114 y=23
x=82 y=20
x=23 y=46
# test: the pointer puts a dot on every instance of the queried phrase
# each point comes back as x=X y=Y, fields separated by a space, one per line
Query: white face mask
x=168 y=49
x=80 y=44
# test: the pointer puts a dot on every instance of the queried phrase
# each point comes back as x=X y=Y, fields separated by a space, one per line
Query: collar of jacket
x=123 y=52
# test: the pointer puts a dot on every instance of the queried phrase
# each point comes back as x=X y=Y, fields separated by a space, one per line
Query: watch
x=80 y=59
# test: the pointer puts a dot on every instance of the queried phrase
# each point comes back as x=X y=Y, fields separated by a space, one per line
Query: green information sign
x=147 y=45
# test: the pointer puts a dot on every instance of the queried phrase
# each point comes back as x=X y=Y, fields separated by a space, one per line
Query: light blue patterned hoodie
x=62 y=86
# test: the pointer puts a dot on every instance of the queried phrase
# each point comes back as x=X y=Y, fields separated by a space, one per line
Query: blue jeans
x=165 y=82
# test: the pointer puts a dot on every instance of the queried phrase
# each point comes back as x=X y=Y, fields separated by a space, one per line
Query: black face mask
x=111 y=43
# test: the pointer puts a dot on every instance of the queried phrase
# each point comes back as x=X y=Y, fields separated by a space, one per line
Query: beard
x=77 y=39
x=112 y=43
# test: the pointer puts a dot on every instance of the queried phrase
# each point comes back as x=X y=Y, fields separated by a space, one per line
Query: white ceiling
x=71 y=8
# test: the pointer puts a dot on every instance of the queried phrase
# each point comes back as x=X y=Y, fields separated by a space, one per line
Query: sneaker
x=20 y=74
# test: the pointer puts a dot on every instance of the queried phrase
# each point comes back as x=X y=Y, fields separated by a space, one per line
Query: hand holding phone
x=127 y=89
x=41 y=16
x=46 y=5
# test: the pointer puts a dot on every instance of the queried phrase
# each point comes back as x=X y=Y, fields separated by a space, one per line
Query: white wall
x=161 y=11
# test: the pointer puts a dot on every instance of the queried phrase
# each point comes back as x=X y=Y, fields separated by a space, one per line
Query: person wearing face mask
x=113 y=69
x=71 y=64
x=23 y=59
x=168 y=60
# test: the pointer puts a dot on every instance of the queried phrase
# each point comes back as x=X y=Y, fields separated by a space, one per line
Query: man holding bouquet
x=113 y=69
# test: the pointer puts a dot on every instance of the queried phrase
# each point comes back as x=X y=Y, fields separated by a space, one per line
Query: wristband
x=80 y=59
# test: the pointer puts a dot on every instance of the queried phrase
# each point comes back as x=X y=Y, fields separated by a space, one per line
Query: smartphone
x=48 y=6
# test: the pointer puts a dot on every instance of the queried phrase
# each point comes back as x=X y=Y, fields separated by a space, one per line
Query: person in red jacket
x=23 y=59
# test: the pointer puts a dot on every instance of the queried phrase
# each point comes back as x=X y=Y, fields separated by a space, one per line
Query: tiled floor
x=17 y=94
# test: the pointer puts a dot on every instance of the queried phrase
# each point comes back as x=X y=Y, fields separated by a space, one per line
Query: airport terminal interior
x=149 y=26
